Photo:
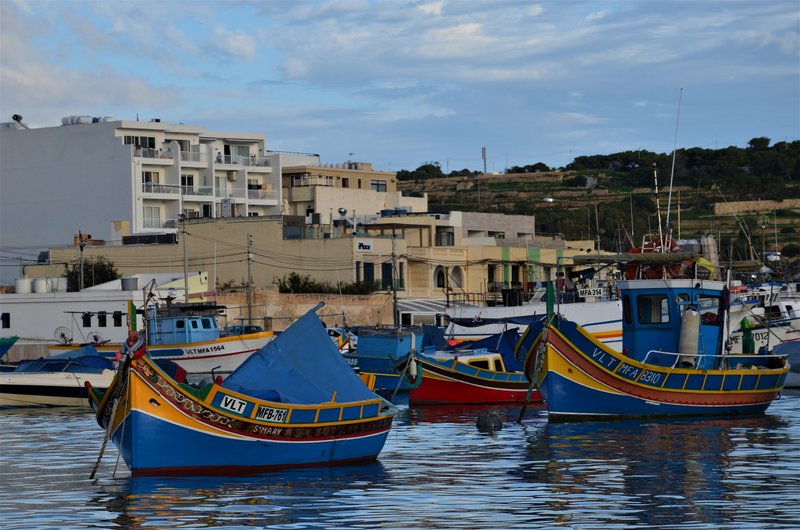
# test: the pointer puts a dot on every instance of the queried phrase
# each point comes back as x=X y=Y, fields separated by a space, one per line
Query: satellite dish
x=63 y=335
x=342 y=211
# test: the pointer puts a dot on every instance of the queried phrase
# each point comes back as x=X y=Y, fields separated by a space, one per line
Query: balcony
x=262 y=195
x=166 y=189
x=236 y=160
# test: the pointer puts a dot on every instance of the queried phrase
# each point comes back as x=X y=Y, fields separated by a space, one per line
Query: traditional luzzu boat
x=674 y=360
x=487 y=373
x=295 y=402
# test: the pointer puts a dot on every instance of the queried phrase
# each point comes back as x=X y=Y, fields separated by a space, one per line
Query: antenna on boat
x=672 y=172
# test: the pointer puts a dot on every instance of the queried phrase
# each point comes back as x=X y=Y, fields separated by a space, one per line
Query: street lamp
x=81 y=245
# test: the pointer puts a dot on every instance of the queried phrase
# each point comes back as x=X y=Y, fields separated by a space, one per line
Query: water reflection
x=290 y=498
x=659 y=472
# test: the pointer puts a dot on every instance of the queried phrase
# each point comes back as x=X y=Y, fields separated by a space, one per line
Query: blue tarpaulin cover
x=299 y=366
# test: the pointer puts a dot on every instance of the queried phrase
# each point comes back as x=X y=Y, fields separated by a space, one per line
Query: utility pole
x=249 y=280
x=81 y=245
x=394 y=282
x=185 y=261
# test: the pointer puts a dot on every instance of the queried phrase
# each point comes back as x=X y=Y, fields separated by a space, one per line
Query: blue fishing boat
x=675 y=359
x=295 y=402
x=381 y=350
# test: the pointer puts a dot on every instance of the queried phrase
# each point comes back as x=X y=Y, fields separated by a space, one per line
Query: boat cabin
x=181 y=324
x=676 y=322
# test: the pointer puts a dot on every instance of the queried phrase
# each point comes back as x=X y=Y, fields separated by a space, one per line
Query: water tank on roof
x=23 y=285
x=387 y=213
x=41 y=285
x=84 y=119
x=400 y=211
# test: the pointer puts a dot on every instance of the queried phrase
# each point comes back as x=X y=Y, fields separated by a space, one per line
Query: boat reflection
x=655 y=472
x=285 y=497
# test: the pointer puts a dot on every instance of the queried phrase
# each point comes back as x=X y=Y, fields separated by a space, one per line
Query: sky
x=404 y=83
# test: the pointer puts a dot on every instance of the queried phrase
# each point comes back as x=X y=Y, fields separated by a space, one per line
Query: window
x=377 y=185
x=102 y=319
x=152 y=217
x=440 y=278
x=369 y=273
x=151 y=177
x=358 y=272
x=86 y=320
x=5 y=319
x=345 y=182
x=482 y=364
x=445 y=236
x=207 y=323
x=180 y=324
x=386 y=276
x=626 y=309
x=652 y=308
x=117 y=319
x=187 y=181
x=146 y=142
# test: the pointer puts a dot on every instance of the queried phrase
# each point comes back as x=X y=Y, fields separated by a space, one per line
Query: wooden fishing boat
x=481 y=375
x=674 y=360
x=187 y=334
x=295 y=402
x=54 y=382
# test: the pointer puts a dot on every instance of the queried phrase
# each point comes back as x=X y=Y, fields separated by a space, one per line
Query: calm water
x=436 y=471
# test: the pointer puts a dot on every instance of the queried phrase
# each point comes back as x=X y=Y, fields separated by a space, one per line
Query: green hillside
x=763 y=181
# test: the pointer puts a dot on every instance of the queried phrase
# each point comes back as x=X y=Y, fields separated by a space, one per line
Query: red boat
x=474 y=378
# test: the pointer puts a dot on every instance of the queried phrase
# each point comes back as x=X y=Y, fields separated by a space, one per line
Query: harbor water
x=437 y=470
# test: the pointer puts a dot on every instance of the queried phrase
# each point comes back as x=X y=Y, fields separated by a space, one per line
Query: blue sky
x=400 y=84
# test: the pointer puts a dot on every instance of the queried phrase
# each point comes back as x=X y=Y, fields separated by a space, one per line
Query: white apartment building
x=117 y=179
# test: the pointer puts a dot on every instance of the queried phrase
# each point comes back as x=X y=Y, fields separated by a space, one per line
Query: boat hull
x=582 y=379
x=58 y=389
x=222 y=355
x=452 y=382
x=162 y=428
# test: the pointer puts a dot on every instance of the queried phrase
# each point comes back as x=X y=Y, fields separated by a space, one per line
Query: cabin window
x=5 y=318
x=498 y=366
x=102 y=319
x=483 y=364
x=180 y=324
x=683 y=302
x=86 y=320
x=652 y=308
x=117 y=319
x=626 y=309
x=195 y=325
x=207 y=323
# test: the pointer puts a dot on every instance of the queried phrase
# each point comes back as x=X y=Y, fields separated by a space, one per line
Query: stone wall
x=731 y=208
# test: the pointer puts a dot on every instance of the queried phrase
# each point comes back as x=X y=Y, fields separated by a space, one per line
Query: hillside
x=730 y=204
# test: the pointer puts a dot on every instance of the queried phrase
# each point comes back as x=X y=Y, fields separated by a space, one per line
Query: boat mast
x=672 y=172
x=661 y=242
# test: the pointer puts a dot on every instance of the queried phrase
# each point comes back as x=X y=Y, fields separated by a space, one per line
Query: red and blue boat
x=475 y=373
x=295 y=402
x=675 y=359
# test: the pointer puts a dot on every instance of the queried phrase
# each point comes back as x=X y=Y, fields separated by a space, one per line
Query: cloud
x=235 y=44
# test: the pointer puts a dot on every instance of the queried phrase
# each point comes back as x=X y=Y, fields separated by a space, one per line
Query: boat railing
x=731 y=359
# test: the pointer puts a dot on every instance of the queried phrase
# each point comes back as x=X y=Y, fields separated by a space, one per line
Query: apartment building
x=126 y=181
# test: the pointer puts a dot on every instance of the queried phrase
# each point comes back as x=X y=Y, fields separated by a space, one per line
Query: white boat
x=603 y=319
x=54 y=382
x=187 y=334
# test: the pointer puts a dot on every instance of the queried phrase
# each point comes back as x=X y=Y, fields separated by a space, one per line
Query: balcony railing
x=150 y=187
x=193 y=156
x=252 y=160
x=262 y=195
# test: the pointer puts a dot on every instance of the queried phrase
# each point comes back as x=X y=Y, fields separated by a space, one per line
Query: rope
x=122 y=378
x=541 y=348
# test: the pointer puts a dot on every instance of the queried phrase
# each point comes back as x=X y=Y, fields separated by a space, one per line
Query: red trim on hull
x=235 y=470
